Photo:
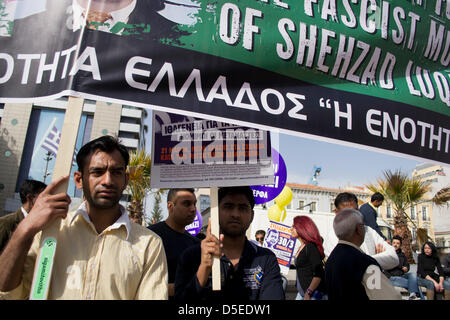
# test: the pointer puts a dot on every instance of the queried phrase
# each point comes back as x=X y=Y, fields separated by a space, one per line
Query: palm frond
x=442 y=197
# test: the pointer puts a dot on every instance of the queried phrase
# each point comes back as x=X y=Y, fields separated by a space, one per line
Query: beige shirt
x=375 y=283
x=125 y=261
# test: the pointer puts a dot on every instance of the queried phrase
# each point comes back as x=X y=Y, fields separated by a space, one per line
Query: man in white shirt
x=374 y=245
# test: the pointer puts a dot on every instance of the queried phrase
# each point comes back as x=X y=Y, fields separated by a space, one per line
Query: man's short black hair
x=30 y=187
x=245 y=190
x=397 y=237
x=260 y=232
x=345 y=197
x=377 y=197
x=173 y=192
x=106 y=144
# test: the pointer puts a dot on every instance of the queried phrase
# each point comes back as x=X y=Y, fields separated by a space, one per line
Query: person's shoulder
x=10 y=217
x=365 y=206
x=140 y=232
x=157 y=226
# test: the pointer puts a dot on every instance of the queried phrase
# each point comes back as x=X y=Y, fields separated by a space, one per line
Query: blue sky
x=341 y=165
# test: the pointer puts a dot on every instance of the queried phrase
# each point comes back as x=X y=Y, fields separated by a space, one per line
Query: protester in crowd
x=29 y=190
x=100 y=253
x=309 y=260
x=182 y=211
x=350 y=274
x=446 y=267
x=428 y=261
x=369 y=212
x=259 y=236
x=373 y=244
x=399 y=276
x=248 y=271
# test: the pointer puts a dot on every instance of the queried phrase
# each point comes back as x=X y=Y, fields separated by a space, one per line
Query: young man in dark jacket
x=399 y=276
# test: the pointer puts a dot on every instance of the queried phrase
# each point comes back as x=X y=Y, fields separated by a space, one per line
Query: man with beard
x=248 y=271
x=100 y=254
x=182 y=211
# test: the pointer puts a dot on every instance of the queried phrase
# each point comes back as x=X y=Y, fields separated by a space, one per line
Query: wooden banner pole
x=215 y=230
x=63 y=165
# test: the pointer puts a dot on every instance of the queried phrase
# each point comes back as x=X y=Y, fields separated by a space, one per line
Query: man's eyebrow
x=105 y=167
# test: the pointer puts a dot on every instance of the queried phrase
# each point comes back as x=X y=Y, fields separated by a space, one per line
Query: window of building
x=332 y=207
x=424 y=213
x=301 y=203
x=388 y=211
x=313 y=206
x=41 y=146
x=413 y=213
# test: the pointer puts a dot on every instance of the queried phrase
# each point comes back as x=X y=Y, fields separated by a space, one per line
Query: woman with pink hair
x=309 y=260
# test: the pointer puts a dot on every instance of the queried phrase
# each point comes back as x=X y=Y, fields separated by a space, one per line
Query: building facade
x=438 y=176
x=29 y=139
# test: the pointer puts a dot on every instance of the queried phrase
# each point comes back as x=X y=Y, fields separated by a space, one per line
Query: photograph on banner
x=268 y=192
x=194 y=152
x=280 y=241
x=371 y=74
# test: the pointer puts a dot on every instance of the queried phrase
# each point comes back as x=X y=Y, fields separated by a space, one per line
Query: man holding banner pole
x=101 y=255
x=248 y=271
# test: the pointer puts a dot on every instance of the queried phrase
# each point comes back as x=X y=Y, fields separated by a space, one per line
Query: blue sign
x=266 y=193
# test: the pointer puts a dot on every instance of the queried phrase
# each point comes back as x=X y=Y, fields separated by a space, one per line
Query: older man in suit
x=29 y=190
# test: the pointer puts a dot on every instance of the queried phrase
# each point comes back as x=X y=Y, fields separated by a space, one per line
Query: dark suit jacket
x=8 y=224
x=370 y=218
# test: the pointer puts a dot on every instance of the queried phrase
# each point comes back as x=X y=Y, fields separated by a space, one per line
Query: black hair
x=377 y=197
x=260 y=232
x=245 y=190
x=172 y=192
x=106 y=144
x=397 y=237
x=345 y=197
x=433 y=249
x=30 y=187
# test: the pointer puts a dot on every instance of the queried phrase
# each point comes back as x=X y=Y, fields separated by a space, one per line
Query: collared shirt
x=25 y=213
x=125 y=261
x=118 y=16
x=256 y=277
x=374 y=208
x=375 y=283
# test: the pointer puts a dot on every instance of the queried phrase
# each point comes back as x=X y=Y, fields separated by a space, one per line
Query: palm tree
x=402 y=192
x=139 y=171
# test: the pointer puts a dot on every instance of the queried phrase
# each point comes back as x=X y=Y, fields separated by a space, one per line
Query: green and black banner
x=367 y=73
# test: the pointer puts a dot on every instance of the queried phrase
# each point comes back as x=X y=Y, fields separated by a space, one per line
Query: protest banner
x=281 y=242
x=370 y=74
x=192 y=152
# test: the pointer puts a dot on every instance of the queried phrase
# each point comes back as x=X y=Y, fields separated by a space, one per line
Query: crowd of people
x=102 y=254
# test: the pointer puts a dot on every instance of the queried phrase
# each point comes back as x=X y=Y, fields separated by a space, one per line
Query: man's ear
x=78 y=179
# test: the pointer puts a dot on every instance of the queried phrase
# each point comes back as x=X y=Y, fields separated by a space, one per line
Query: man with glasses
x=259 y=236
x=248 y=271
